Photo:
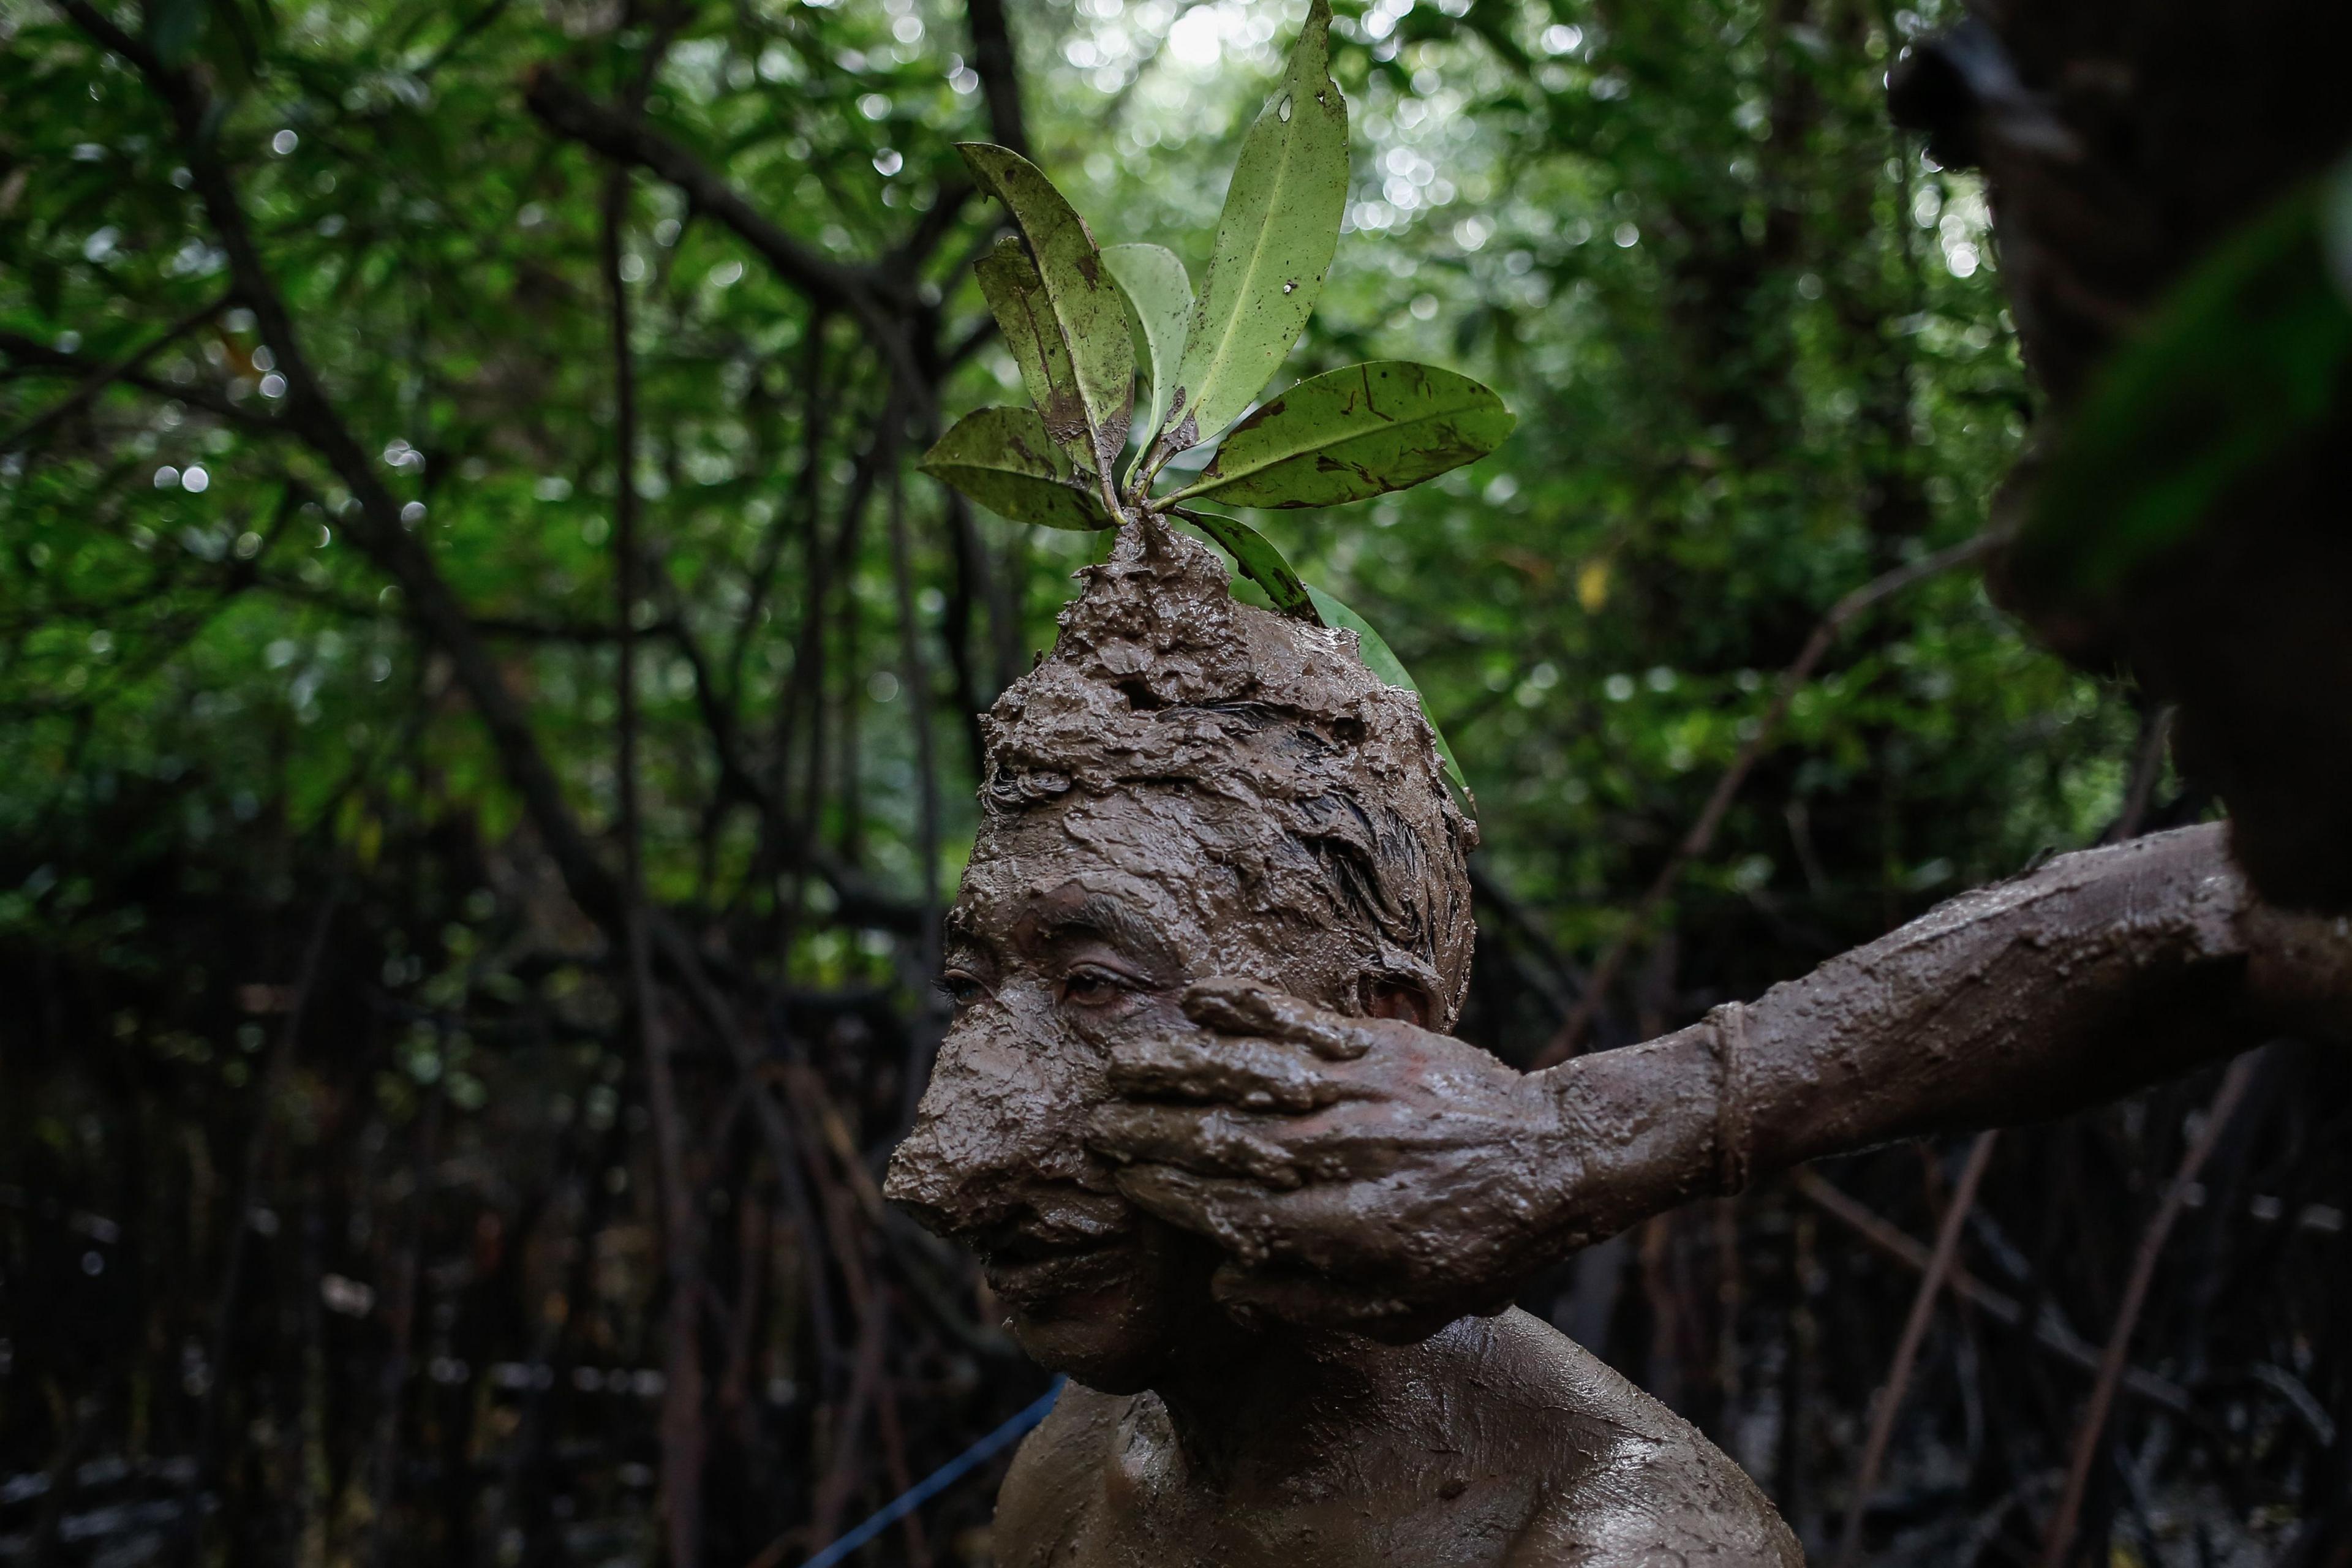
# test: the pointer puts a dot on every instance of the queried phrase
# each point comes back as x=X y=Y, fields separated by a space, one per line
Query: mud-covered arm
x=2098 y=972
x=2023 y=1001
x=1367 y=1171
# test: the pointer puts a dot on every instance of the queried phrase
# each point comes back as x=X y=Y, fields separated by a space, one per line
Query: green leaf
x=1275 y=239
x=1259 y=561
x=2248 y=355
x=1348 y=434
x=1088 y=310
x=1003 y=458
x=1159 y=310
x=1384 y=663
x=1016 y=297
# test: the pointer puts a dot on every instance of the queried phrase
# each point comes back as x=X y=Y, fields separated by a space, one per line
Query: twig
x=792 y=1159
x=815 y=407
x=466 y=32
x=2005 y=1309
x=917 y=682
x=1915 y=1330
x=106 y=375
x=2061 y=1538
x=209 y=397
x=622 y=135
x=2148 y=766
x=839 y=1484
x=892 y=1432
x=375 y=524
x=929 y=1486
x=273 y=1083
x=681 y=1412
x=993 y=62
x=400 y=1310
x=1563 y=1044
x=1558 y=977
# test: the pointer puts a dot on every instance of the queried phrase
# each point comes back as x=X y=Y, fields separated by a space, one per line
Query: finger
x=1256 y=1074
x=1232 y=1004
x=1231 y=1214
x=1326 y=1128
x=1210 y=1142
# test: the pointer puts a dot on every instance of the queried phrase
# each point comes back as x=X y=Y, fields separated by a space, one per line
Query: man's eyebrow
x=966 y=925
x=960 y=940
x=1112 y=919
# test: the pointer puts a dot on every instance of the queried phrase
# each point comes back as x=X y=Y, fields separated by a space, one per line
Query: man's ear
x=1386 y=996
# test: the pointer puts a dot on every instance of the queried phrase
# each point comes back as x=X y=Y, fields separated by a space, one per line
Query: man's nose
x=1003 y=1114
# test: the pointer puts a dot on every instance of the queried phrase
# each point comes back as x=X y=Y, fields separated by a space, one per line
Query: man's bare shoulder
x=1056 y=1473
x=1643 y=1486
x=1516 y=1448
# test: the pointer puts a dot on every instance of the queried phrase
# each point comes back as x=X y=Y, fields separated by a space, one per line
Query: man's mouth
x=1031 y=1264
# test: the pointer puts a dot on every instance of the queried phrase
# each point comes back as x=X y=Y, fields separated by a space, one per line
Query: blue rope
x=939 y=1481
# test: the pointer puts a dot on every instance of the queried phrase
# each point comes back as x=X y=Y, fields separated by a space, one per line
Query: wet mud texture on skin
x=1212 y=789
x=1160 y=681
x=1187 y=788
x=1497 y=1441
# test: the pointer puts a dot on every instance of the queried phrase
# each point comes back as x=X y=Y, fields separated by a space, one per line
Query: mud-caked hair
x=1160 y=681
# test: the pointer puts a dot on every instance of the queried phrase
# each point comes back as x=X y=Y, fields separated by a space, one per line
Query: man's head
x=1187 y=787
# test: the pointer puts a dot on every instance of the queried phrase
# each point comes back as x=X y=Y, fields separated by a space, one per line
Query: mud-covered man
x=1217 y=851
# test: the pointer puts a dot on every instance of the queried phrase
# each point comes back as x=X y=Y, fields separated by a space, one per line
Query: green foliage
x=2247 y=355
x=1749 y=336
x=1016 y=298
x=1005 y=459
x=1274 y=240
x=1259 y=561
x=1159 y=312
x=1345 y=435
x=1352 y=434
x=1086 y=311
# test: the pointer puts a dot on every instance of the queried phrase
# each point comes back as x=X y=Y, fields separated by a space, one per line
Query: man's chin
x=1103 y=1339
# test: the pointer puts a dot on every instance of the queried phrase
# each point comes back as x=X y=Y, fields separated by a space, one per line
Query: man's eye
x=1090 y=985
x=961 y=988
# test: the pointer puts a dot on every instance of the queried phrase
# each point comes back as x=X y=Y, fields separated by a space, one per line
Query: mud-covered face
x=1079 y=924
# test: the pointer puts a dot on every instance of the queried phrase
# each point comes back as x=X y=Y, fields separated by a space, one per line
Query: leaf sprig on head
x=1075 y=316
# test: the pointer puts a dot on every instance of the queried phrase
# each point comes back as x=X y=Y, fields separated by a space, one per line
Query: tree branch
x=98 y=378
x=374 y=524
x=993 y=62
x=625 y=137
x=681 y=1410
x=2113 y=1361
x=2048 y=1331
x=859 y=902
x=1915 y=1334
